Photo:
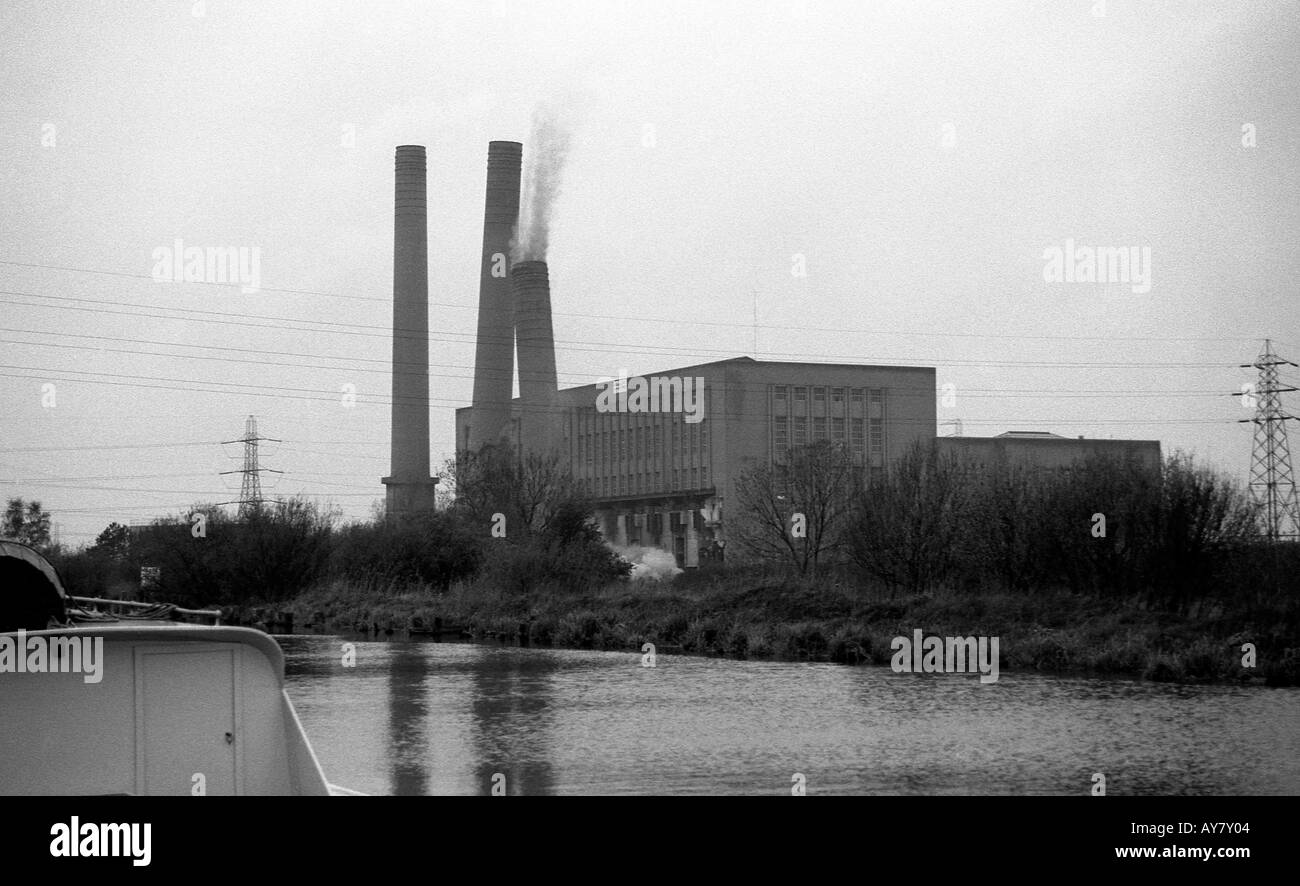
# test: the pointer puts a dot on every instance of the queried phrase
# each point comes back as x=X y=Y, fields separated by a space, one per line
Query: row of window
x=863 y=428
x=794 y=399
x=604 y=450
x=647 y=482
x=588 y=419
x=781 y=392
x=782 y=426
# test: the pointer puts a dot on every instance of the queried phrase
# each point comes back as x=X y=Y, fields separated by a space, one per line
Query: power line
x=693 y=322
x=434 y=402
x=470 y=337
x=980 y=392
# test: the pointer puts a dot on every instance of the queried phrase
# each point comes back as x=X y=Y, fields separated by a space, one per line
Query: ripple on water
x=443 y=718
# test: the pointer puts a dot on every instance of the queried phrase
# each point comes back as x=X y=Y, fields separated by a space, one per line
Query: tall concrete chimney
x=410 y=488
x=494 y=356
x=540 y=422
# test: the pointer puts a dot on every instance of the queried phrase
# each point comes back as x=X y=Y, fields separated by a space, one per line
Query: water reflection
x=511 y=714
x=568 y=722
x=407 y=708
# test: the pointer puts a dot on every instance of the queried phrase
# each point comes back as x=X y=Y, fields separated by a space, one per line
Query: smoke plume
x=544 y=157
x=648 y=563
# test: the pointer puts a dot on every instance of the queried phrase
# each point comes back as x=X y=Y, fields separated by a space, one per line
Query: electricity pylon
x=1272 y=482
x=250 y=489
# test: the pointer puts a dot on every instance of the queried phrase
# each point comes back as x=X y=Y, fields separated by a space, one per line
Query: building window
x=800 y=430
x=837 y=429
x=837 y=395
x=859 y=434
x=781 y=436
x=819 y=428
x=800 y=395
x=876 y=413
x=779 y=393
x=704 y=475
x=819 y=395
x=856 y=395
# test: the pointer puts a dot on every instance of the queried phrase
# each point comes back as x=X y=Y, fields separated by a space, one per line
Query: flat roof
x=1054 y=438
x=748 y=362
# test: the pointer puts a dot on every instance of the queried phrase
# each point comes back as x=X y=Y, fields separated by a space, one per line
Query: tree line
x=1109 y=527
x=1105 y=526
x=516 y=522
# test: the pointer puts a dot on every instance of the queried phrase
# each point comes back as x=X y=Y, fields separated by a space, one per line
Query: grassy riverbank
x=751 y=615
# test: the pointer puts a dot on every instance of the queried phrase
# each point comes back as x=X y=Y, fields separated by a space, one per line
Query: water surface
x=443 y=718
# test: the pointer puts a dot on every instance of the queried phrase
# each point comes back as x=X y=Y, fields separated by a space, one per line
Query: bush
x=432 y=548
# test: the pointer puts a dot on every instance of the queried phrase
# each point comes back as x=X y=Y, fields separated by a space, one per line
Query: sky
x=864 y=182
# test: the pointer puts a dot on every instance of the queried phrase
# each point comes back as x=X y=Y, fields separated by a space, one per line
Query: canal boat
x=111 y=697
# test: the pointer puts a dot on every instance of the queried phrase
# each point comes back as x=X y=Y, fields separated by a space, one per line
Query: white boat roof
x=176 y=632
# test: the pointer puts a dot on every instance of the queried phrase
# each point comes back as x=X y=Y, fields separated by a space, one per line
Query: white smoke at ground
x=653 y=564
x=545 y=154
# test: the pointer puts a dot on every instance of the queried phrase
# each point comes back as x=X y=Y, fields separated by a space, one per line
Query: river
x=453 y=718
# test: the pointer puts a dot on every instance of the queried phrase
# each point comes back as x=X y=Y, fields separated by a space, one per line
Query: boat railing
x=163 y=610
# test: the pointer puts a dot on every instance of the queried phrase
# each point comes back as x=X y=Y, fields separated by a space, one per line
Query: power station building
x=661 y=456
x=666 y=477
x=1044 y=450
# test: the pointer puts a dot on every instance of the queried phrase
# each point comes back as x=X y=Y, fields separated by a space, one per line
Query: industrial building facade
x=663 y=473
x=660 y=478
x=1044 y=450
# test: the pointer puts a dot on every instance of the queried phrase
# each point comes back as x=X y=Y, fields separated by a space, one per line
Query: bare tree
x=795 y=511
x=1203 y=517
x=1006 y=523
x=908 y=524
x=529 y=491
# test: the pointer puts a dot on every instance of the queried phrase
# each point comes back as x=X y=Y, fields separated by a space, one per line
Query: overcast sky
x=918 y=158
